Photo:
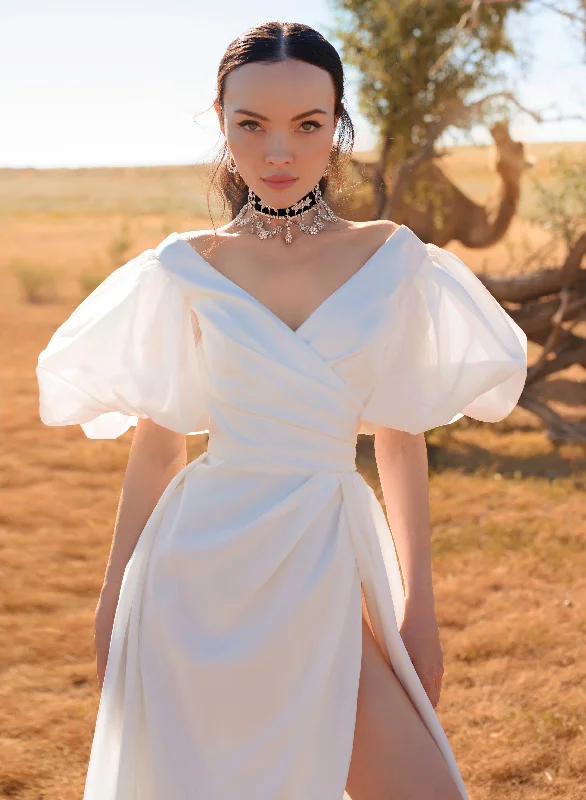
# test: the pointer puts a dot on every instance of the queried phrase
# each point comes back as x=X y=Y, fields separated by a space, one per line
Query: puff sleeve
x=129 y=350
x=453 y=351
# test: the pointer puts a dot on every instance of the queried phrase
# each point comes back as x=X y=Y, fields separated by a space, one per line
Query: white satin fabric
x=235 y=656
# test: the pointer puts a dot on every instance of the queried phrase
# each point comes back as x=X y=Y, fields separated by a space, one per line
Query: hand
x=420 y=634
x=103 y=624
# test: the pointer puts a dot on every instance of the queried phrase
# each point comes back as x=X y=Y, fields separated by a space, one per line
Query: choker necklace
x=252 y=211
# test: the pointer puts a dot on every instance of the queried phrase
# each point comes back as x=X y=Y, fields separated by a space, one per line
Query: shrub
x=91 y=280
x=120 y=246
x=37 y=283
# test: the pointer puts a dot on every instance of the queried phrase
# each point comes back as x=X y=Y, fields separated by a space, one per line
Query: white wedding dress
x=235 y=655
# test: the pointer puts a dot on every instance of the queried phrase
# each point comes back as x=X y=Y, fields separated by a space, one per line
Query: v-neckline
x=294 y=331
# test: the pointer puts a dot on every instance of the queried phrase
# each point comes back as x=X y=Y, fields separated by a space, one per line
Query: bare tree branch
x=573 y=16
x=553 y=338
x=467 y=23
x=523 y=288
x=558 y=429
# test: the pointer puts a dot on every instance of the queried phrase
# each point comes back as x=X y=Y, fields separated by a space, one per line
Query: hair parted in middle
x=273 y=42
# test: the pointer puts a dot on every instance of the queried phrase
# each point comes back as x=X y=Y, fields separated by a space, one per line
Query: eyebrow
x=297 y=116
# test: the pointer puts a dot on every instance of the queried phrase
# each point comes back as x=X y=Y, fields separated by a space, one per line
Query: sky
x=125 y=83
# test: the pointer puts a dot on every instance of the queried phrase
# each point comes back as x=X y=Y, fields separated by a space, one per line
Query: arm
x=403 y=470
x=156 y=456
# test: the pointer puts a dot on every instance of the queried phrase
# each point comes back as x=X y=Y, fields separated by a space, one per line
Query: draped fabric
x=235 y=656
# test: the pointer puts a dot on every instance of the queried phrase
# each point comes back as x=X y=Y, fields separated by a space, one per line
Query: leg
x=394 y=756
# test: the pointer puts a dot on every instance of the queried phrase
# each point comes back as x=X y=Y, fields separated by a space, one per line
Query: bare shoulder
x=206 y=241
x=376 y=230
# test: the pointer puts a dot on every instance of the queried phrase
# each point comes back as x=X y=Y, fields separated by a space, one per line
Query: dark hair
x=272 y=42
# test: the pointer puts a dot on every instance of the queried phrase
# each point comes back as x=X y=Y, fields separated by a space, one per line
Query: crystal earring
x=231 y=165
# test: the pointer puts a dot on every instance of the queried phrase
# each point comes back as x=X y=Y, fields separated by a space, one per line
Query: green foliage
x=37 y=283
x=560 y=205
x=395 y=47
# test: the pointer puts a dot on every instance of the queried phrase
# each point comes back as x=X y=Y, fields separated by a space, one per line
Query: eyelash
x=316 y=125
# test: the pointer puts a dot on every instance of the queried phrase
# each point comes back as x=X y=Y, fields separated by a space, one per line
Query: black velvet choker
x=304 y=204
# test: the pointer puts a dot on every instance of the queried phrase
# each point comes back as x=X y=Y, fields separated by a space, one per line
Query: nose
x=278 y=152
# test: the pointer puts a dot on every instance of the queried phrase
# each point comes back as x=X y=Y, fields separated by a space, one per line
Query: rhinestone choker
x=252 y=211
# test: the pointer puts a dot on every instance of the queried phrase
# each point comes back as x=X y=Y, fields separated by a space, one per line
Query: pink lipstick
x=279 y=181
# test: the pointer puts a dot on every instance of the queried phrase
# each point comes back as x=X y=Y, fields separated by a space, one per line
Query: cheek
x=323 y=145
x=244 y=145
x=319 y=143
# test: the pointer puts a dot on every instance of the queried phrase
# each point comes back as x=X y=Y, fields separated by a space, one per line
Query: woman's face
x=279 y=121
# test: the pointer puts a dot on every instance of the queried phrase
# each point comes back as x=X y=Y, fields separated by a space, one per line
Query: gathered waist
x=275 y=466
x=265 y=456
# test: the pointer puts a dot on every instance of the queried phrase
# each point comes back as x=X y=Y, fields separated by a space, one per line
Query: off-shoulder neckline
x=182 y=237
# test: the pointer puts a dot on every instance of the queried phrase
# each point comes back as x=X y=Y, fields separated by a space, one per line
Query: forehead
x=282 y=88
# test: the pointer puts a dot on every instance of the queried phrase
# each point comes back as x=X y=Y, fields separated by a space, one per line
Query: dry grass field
x=508 y=513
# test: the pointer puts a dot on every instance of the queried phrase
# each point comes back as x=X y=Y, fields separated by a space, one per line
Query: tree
x=424 y=66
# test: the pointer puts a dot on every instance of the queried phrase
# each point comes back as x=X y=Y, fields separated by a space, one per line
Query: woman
x=254 y=639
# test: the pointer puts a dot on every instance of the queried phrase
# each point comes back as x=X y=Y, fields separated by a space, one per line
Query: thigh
x=394 y=756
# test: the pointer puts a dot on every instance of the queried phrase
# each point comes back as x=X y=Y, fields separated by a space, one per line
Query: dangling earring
x=231 y=165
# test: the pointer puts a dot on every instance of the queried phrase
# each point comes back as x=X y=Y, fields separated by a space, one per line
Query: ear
x=218 y=111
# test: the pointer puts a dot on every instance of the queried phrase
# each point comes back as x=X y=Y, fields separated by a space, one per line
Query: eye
x=315 y=125
x=247 y=122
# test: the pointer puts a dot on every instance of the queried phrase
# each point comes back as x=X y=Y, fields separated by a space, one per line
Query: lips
x=279 y=181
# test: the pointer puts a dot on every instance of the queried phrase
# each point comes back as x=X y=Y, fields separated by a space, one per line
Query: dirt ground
x=508 y=518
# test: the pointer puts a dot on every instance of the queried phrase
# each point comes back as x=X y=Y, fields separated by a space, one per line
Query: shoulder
x=379 y=236
x=374 y=227
x=198 y=239
x=205 y=242
x=373 y=233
